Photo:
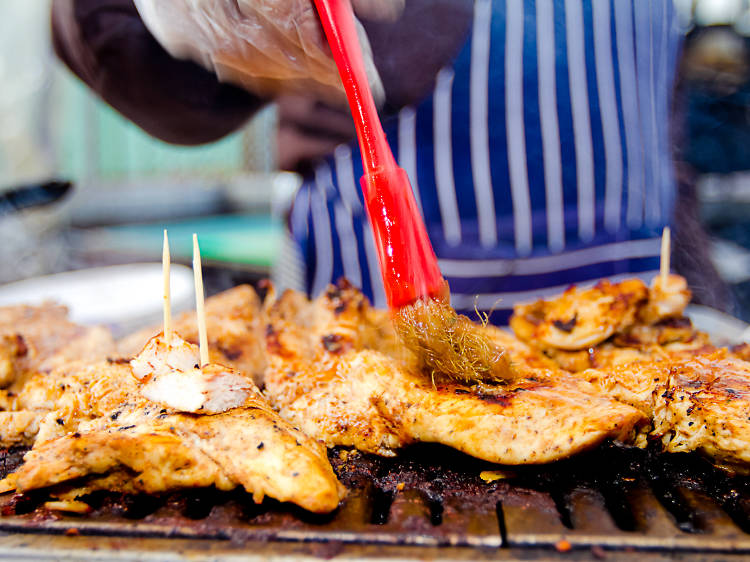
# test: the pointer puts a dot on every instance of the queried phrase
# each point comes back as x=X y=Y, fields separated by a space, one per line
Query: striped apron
x=542 y=158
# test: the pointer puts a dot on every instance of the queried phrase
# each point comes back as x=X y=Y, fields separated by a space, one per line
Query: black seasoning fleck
x=60 y=421
x=125 y=427
x=260 y=445
x=332 y=342
x=76 y=435
x=117 y=360
x=21 y=348
x=114 y=416
x=231 y=354
x=567 y=325
x=333 y=293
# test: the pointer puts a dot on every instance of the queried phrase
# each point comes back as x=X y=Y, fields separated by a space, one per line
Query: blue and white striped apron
x=542 y=158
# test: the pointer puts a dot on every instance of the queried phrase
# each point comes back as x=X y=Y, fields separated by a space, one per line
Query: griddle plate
x=615 y=497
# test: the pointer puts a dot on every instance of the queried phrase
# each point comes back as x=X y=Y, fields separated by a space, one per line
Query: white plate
x=723 y=328
x=123 y=297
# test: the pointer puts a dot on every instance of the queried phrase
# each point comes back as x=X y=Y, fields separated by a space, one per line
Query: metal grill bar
x=434 y=498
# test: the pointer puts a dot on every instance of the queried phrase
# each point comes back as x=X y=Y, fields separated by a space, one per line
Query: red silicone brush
x=407 y=261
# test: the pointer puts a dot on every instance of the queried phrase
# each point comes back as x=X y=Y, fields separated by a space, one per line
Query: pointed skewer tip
x=167 y=302
x=199 y=302
x=666 y=248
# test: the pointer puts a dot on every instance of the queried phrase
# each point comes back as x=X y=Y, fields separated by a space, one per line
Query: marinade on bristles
x=449 y=345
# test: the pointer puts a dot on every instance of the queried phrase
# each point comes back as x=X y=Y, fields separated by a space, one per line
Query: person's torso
x=541 y=158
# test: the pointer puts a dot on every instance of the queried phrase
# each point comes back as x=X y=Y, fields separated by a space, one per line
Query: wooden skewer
x=666 y=244
x=199 y=304
x=165 y=267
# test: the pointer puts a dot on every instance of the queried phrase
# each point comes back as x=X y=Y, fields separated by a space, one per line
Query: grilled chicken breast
x=705 y=406
x=41 y=338
x=697 y=403
x=667 y=298
x=38 y=355
x=609 y=324
x=235 y=332
x=580 y=318
x=101 y=423
x=337 y=372
x=610 y=354
x=170 y=375
x=36 y=342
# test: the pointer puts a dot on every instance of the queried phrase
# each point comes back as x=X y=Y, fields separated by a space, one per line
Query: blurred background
x=128 y=186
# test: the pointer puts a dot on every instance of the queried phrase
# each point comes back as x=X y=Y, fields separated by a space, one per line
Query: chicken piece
x=19 y=428
x=35 y=343
x=45 y=401
x=235 y=332
x=70 y=395
x=92 y=344
x=120 y=481
x=609 y=354
x=296 y=380
x=580 y=318
x=111 y=429
x=524 y=359
x=51 y=404
x=741 y=351
x=704 y=405
x=77 y=507
x=665 y=331
x=12 y=351
x=667 y=298
x=609 y=324
x=41 y=338
x=159 y=460
x=633 y=383
x=339 y=386
x=211 y=389
x=159 y=357
x=170 y=375
x=573 y=361
x=699 y=403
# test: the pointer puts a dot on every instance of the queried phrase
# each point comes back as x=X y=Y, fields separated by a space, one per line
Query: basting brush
x=446 y=343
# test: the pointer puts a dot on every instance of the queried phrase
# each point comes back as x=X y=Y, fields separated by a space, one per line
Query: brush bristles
x=449 y=345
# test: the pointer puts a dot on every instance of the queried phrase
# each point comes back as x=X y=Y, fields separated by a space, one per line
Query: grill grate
x=614 y=497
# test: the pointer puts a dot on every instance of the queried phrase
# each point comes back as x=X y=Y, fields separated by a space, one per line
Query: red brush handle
x=407 y=260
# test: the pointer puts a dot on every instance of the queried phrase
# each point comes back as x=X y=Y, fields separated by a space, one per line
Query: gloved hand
x=265 y=46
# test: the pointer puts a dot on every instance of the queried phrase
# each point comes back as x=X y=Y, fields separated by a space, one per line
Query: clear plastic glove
x=265 y=46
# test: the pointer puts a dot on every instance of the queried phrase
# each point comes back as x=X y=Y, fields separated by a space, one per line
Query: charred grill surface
x=614 y=497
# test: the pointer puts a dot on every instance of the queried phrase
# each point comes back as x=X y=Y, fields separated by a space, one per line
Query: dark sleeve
x=107 y=45
x=428 y=36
